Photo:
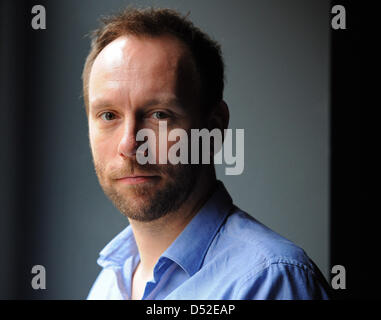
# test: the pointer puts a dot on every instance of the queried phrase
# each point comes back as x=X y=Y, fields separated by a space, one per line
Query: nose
x=128 y=145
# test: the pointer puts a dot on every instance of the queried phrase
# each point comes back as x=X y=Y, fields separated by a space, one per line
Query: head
x=147 y=66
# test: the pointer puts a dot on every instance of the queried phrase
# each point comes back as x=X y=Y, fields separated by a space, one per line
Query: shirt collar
x=189 y=248
x=118 y=250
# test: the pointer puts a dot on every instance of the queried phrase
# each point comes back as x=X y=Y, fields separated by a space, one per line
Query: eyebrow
x=164 y=101
x=101 y=104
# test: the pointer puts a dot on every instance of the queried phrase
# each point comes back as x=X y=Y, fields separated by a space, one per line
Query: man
x=185 y=240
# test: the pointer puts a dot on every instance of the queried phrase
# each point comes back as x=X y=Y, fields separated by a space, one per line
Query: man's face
x=134 y=83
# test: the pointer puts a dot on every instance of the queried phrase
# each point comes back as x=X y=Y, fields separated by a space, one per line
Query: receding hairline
x=186 y=64
x=185 y=54
x=155 y=23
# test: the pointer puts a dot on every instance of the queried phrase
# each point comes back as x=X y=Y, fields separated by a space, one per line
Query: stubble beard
x=147 y=202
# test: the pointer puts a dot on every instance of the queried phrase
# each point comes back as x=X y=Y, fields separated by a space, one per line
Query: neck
x=154 y=237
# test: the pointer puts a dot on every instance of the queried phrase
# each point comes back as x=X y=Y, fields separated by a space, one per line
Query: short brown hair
x=156 y=22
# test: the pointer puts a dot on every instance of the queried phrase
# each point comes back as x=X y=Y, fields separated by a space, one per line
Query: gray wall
x=277 y=71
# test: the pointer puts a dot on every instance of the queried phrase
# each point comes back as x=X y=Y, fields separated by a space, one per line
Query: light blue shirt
x=223 y=253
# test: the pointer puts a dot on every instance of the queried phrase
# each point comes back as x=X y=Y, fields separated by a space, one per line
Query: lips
x=136 y=179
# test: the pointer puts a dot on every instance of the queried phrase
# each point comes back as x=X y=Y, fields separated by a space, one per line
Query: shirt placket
x=162 y=274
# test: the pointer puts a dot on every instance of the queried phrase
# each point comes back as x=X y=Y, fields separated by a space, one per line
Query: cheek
x=162 y=142
x=101 y=146
x=158 y=144
x=182 y=150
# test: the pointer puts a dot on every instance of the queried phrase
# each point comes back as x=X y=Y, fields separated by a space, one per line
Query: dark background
x=291 y=84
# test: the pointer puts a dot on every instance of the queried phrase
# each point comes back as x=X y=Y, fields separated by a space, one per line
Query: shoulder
x=257 y=240
x=266 y=264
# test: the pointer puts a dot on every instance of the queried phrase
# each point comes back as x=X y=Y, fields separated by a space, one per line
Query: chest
x=138 y=283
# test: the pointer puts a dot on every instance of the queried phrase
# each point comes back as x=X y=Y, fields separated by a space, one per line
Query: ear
x=219 y=117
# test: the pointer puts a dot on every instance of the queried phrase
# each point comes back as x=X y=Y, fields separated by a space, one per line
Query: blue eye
x=108 y=116
x=159 y=115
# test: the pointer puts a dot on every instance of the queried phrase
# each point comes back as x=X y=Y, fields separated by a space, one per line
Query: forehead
x=129 y=52
x=138 y=63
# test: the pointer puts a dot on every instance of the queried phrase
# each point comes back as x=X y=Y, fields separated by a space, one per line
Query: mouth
x=137 y=179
